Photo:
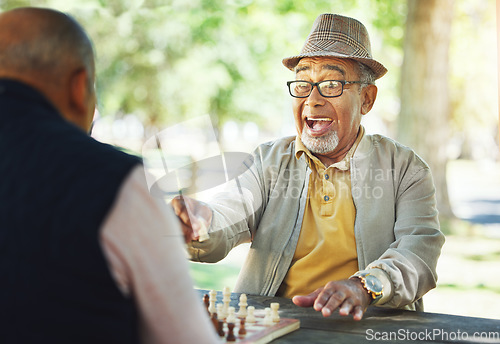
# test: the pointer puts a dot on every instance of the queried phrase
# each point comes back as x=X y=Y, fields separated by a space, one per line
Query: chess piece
x=230 y=333
x=268 y=321
x=274 y=312
x=242 y=312
x=215 y=321
x=220 y=328
x=220 y=311
x=226 y=299
x=251 y=316
x=242 y=332
x=212 y=300
x=231 y=316
x=206 y=302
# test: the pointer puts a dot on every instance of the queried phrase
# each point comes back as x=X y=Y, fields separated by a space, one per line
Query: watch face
x=373 y=284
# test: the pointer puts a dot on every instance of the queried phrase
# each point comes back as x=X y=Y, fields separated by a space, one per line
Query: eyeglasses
x=327 y=88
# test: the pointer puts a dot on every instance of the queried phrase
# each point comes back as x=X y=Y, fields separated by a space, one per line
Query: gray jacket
x=396 y=226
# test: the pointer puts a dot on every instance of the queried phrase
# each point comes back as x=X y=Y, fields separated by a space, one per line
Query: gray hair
x=366 y=75
x=56 y=42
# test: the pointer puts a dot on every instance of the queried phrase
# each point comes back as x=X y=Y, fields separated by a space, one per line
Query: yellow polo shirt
x=326 y=249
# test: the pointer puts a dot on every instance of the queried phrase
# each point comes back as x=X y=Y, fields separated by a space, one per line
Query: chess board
x=258 y=333
x=250 y=325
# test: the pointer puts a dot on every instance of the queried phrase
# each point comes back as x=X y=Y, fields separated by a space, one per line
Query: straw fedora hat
x=341 y=37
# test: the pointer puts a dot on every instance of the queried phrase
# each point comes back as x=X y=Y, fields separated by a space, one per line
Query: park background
x=162 y=62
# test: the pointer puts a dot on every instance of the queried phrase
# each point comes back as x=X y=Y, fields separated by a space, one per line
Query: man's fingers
x=323 y=298
x=180 y=209
x=187 y=233
x=306 y=300
x=342 y=295
x=193 y=215
x=176 y=205
x=329 y=301
x=347 y=307
x=357 y=313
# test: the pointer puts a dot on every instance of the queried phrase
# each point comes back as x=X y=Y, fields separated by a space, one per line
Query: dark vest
x=57 y=186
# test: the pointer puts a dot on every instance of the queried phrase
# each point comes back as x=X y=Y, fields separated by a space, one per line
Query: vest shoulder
x=90 y=152
x=115 y=152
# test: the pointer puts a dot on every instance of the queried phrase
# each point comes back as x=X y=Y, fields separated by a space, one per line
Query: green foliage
x=213 y=276
x=168 y=60
x=390 y=18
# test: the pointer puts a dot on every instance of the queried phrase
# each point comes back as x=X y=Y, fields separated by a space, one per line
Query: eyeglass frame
x=342 y=82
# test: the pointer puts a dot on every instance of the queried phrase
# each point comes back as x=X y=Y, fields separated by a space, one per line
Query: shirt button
x=327 y=176
x=326 y=198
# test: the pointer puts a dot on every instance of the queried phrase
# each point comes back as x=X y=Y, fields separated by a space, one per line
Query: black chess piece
x=242 y=332
x=230 y=333
x=220 y=328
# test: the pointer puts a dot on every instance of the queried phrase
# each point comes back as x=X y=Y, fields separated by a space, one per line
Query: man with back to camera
x=87 y=255
x=338 y=219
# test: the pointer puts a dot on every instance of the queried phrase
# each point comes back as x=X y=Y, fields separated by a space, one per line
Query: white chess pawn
x=231 y=316
x=251 y=316
x=220 y=311
x=268 y=320
x=274 y=312
x=212 y=299
x=242 y=312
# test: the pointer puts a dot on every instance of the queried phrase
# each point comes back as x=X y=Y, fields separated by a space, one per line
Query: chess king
x=337 y=218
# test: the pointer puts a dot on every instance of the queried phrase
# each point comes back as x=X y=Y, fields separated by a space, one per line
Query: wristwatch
x=372 y=285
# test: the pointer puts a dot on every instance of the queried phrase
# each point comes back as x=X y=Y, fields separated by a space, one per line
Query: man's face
x=328 y=126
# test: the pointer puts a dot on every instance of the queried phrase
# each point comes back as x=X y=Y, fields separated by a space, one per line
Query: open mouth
x=319 y=126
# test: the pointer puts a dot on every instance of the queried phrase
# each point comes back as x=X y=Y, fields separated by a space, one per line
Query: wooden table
x=379 y=325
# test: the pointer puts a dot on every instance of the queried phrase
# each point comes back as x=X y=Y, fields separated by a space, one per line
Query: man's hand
x=193 y=215
x=347 y=295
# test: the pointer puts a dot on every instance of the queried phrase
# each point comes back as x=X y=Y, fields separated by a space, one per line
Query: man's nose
x=315 y=98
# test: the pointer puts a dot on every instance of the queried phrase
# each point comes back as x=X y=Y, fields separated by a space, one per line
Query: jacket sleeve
x=408 y=267
x=236 y=209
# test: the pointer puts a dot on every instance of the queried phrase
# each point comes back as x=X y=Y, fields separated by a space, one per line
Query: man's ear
x=79 y=90
x=80 y=100
x=368 y=96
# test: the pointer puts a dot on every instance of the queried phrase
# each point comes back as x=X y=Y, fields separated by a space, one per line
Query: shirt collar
x=343 y=165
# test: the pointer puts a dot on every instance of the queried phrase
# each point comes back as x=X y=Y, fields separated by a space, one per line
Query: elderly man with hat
x=338 y=219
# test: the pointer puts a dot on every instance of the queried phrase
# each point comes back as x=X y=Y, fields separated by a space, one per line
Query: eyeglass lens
x=327 y=88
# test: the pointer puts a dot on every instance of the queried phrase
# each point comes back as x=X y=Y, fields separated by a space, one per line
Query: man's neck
x=331 y=159
x=335 y=156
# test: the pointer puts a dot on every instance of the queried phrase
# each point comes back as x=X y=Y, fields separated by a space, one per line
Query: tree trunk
x=425 y=105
